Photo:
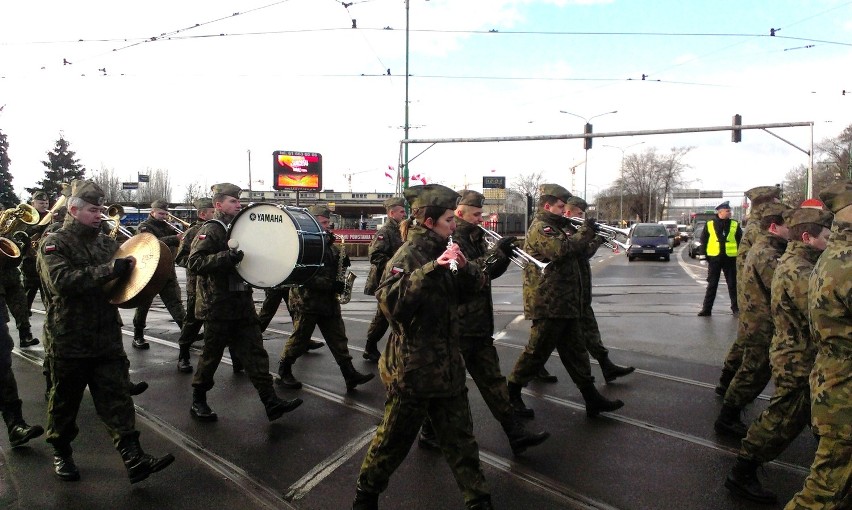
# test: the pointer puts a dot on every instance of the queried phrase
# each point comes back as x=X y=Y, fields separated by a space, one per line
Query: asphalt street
x=658 y=452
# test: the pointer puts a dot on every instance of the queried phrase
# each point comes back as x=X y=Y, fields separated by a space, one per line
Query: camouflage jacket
x=758 y=269
x=388 y=239
x=792 y=351
x=421 y=301
x=584 y=264
x=182 y=255
x=559 y=292
x=161 y=229
x=749 y=234
x=221 y=293
x=477 y=312
x=74 y=264
x=32 y=231
x=830 y=306
x=317 y=296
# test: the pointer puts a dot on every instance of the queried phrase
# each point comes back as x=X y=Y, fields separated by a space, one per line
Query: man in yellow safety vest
x=720 y=239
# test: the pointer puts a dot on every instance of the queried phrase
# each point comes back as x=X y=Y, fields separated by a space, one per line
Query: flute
x=454 y=267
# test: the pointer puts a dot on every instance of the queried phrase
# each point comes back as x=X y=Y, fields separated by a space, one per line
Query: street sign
x=697 y=193
x=129 y=185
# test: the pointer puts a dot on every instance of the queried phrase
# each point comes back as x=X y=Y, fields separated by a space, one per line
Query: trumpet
x=172 y=219
x=607 y=232
x=113 y=215
x=519 y=257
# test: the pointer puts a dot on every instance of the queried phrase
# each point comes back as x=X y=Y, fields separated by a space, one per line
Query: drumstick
x=233 y=244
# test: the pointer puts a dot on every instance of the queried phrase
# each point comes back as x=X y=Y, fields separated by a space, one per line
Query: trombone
x=113 y=215
x=607 y=232
x=519 y=257
x=172 y=218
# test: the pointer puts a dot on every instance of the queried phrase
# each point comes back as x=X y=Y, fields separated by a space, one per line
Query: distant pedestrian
x=721 y=239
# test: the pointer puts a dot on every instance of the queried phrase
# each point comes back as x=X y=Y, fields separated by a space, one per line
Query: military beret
x=88 y=191
x=226 y=188
x=470 y=197
x=40 y=195
x=160 y=204
x=577 y=202
x=802 y=215
x=763 y=193
x=203 y=203
x=723 y=205
x=775 y=209
x=837 y=196
x=320 y=210
x=554 y=190
x=393 y=202
x=431 y=194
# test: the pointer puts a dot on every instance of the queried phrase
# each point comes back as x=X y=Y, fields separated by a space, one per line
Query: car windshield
x=649 y=231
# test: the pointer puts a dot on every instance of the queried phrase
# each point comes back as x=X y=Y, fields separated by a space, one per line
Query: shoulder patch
x=380 y=236
x=49 y=248
x=202 y=236
x=548 y=230
x=397 y=270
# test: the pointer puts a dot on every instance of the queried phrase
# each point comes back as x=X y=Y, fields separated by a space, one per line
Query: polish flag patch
x=397 y=270
x=49 y=248
x=202 y=236
x=380 y=237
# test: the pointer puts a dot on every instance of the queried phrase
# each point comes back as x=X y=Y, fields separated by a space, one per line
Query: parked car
x=683 y=230
x=648 y=240
x=695 y=248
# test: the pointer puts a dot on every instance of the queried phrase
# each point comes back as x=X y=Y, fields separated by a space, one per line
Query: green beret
x=431 y=194
x=837 y=196
x=226 y=188
x=393 y=202
x=203 y=203
x=160 y=204
x=472 y=198
x=39 y=195
x=799 y=216
x=577 y=202
x=774 y=209
x=763 y=193
x=88 y=191
x=554 y=190
x=320 y=210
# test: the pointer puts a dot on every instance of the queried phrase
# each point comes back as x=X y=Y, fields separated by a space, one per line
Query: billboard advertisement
x=297 y=170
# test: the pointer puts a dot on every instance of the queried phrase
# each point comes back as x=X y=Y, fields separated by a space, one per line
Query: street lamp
x=587 y=143
x=621 y=198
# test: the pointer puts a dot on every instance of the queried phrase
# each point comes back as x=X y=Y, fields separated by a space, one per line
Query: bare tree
x=158 y=187
x=528 y=185
x=194 y=191
x=648 y=179
x=831 y=163
x=112 y=186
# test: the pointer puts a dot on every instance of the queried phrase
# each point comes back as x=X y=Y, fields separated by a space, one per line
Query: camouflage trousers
x=829 y=484
x=6 y=342
x=244 y=338
x=378 y=327
x=32 y=282
x=752 y=376
x=270 y=305
x=483 y=365
x=592 y=334
x=779 y=424
x=332 y=329
x=453 y=425
x=565 y=336
x=108 y=382
x=171 y=298
x=16 y=298
x=191 y=326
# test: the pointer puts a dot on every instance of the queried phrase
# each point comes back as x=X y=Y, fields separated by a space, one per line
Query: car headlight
x=663 y=245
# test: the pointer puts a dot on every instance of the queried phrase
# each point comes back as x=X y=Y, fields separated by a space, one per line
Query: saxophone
x=344 y=274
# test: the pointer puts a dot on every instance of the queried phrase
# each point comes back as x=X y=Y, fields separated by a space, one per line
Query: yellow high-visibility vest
x=712 y=248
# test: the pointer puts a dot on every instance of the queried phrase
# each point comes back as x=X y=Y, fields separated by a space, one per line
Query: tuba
x=47 y=219
x=344 y=274
x=11 y=222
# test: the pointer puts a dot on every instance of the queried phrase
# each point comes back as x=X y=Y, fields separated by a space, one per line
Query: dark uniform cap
x=723 y=205
x=431 y=194
x=472 y=198
x=203 y=203
x=837 y=196
x=577 y=202
x=320 y=210
x=775 y=209
x=393 y=202
x=39 y=195
x=763 y=192
x=793 y=217
x=226 y=188
x=88 y=191
x=160 y=204
x=555 y=190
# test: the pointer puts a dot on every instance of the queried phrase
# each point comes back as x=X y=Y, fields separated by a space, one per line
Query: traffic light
x=587 y=142
x=737 y=134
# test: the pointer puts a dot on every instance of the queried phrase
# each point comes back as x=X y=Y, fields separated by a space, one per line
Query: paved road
x=658 y=452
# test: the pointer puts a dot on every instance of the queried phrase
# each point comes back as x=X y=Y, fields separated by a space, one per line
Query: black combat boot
x=371 y=351
x=285 y=375
x=520 y=438
x=139 y=341
x=138 y=463
x=724 y=381
x=315 y=344
x=276 y=407
x=544 y=376
x=138 y=388
x=63 y=464
x=483 y=503
x=597 y=403
x=183 y=364
x=427 y=438
x=611 y=371
x=729 y=424
x=25 y=338
x=353 y=377
x=742 y=481
x=517 y=402
x=19 y=432
x=200 y=410
x=365 y=500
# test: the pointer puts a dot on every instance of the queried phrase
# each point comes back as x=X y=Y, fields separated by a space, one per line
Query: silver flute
x=454 y=267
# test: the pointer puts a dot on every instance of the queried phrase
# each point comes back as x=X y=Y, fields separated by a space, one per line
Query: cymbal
x=154 y=264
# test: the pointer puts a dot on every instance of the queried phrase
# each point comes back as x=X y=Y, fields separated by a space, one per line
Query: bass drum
x=282 y=246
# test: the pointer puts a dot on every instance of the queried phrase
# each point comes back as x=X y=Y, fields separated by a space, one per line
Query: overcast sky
x=145 y=88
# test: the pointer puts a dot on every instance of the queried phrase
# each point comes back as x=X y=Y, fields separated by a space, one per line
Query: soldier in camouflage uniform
x=760 y=197
x=554 y=300
x=156 y=224
x=16 y=300
x=224 y=302
x=315 y=304
x=422 y=366
x=754 y=371
x=384 y=245
x=32 y=285
x=83 y=337
x=791 y=355
x=476 y=318
x=829 y=484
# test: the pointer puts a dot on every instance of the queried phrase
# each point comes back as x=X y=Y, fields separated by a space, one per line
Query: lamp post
x=621 y=197
x=587 y=142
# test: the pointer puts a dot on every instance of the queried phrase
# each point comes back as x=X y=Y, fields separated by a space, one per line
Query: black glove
x=121 y=267
x=591 y=223
x=338 y=287
x=236 y=256
x=507 y=245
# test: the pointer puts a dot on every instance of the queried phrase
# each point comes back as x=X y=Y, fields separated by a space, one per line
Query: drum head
x=269 y=241
x=152 y=269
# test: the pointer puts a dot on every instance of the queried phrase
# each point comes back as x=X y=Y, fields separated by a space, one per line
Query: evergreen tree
x=7 y=193
x=61 y=167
